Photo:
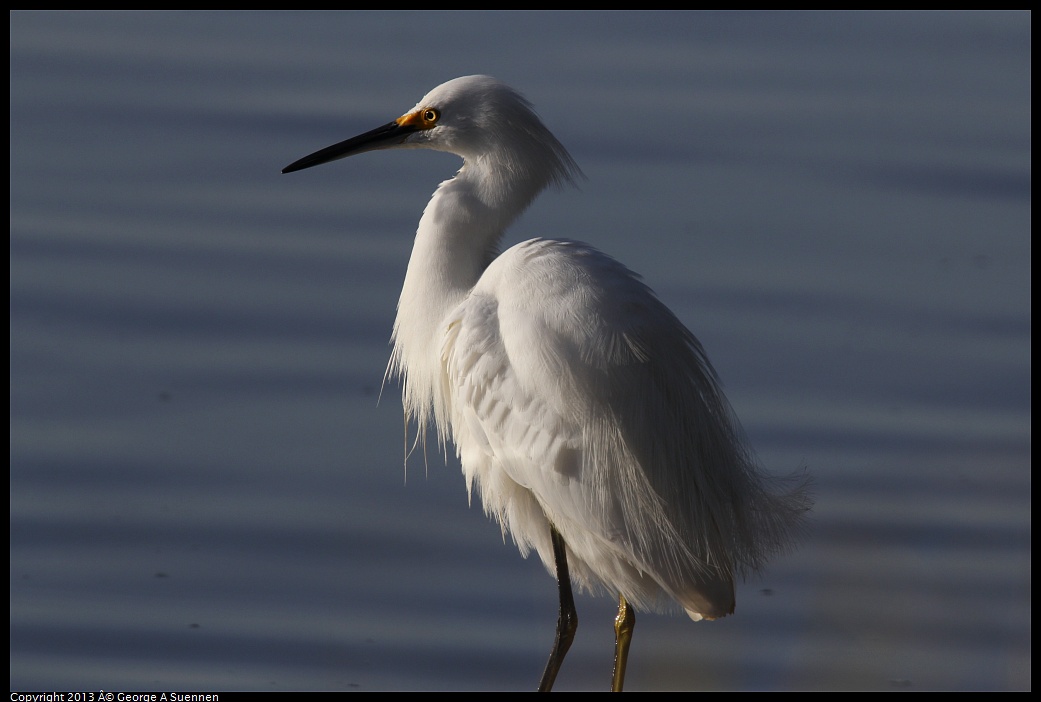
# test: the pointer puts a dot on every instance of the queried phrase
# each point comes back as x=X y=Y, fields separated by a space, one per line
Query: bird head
x=475 y=117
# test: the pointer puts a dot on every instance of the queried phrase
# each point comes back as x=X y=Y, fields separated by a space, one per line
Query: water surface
x=208 y=493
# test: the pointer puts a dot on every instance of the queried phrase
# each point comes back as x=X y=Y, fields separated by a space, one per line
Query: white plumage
x=575 y=399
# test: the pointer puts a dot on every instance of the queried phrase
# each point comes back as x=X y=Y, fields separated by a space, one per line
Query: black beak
x=388 y=135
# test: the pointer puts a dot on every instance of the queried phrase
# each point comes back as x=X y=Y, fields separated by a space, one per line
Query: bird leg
x=567 y=620
x=623 y=634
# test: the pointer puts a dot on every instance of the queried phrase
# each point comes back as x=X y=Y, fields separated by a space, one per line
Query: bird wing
x=574 y=396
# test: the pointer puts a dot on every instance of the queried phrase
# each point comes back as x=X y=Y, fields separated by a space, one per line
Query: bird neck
x=457 y=238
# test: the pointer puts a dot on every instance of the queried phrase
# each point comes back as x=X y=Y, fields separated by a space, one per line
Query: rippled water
x=206 y=493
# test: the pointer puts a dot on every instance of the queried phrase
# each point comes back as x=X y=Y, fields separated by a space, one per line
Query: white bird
x=584 y=413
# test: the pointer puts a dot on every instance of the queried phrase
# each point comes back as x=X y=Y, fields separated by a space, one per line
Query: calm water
x=207 y=491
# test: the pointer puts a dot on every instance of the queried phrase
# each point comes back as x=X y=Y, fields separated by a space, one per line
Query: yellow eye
x=425 y=118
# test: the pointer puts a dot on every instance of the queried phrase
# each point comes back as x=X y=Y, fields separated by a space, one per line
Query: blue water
x=209 y=493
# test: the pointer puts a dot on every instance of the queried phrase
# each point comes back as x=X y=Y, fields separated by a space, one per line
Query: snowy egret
x=585 y=414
